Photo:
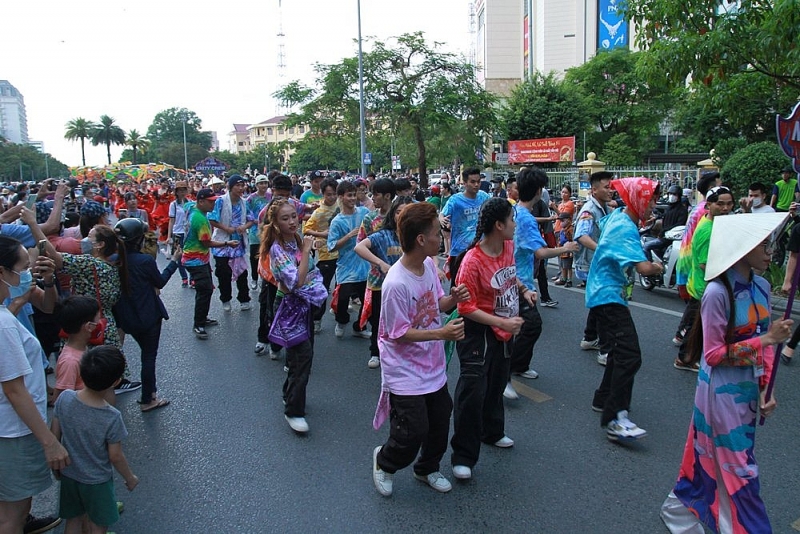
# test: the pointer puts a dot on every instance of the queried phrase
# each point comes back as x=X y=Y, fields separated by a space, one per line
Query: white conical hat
x=734 y=236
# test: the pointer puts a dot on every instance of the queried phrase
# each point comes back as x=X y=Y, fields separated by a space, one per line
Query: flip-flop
x=159 y=404
x=786 y=359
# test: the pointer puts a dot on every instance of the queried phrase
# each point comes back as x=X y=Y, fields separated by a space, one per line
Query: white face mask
x=673 y=199
x=757 y=201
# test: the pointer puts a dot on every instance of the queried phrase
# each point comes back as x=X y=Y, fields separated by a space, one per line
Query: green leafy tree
x=618 y=100
x=410 y=88
x=167 y=127
x=543 y=106
x=80 y=129
x=107 y=133
x=758 y=162
x=24 y=162
x=172 y=153
x=137 y=142
x=620 y=151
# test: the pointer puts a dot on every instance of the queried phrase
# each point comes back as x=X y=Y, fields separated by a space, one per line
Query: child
x=414 y=390
x=491 y=319
x=382 y=250
x=565 y=259
x=300 y=285
x=92 y=431
x=78 y=317
x=351 y=271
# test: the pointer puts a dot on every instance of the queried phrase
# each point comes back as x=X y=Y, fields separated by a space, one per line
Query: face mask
x=757 y=202
x=673 y=199
x=25 y=279
x=86 y=246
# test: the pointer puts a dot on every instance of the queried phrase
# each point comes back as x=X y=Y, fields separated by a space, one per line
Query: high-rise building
x=515 y=37
x=13 y=120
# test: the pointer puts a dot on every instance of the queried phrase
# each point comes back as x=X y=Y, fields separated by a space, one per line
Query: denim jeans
x=203 y=289
x=417 y=422
x=618 y=333
x=479 y=414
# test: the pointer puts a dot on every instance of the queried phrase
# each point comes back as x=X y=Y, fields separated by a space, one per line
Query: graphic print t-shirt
x=492 y=284
x=463 y=213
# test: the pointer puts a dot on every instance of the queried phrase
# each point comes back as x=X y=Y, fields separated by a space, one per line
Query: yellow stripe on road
x=533 y=394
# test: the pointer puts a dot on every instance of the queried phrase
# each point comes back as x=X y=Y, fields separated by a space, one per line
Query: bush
x=759 y=162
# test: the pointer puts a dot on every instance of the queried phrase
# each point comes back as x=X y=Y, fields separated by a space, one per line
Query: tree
x=618 y=100
x=411 y=89
x=172 y=154
x=136 y=141
x=758 y=162
x=107 y=133
x=80 y=128
x=543 y=107
x=168 y=127
x=24 y=162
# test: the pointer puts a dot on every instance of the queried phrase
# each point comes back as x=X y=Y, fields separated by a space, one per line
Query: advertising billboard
x=547 y=150
x=612 y=29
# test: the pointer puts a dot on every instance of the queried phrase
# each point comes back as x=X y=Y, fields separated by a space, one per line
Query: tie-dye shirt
x=684 y=256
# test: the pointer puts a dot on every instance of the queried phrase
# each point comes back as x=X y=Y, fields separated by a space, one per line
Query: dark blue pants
x=148 y=340
x=203 y=289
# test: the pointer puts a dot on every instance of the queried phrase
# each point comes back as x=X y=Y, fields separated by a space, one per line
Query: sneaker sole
x=598 y=409
x=685 y=368
x=616 y=437
x=382 y=491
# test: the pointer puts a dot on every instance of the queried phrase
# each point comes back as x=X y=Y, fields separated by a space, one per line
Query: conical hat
x=734 y=236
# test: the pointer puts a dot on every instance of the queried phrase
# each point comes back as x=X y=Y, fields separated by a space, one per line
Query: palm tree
x=79 y=128
x=137 y=141
x=107 y=133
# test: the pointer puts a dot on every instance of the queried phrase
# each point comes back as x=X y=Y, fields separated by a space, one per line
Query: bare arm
x=587 y=242
x=120 y=463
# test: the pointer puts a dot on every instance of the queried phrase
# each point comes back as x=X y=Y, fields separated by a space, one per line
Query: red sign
x=788 y=131
x=551 y=149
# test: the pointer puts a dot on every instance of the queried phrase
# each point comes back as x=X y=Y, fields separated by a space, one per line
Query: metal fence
x=684 y=176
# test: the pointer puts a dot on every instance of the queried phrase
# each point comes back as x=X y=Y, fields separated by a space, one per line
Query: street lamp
x=361 y=96
x=185 y=155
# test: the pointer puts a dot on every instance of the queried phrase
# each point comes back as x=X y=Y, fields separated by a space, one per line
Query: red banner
x=551 y=149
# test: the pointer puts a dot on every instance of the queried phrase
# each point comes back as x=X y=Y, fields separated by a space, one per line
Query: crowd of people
x=76 y=287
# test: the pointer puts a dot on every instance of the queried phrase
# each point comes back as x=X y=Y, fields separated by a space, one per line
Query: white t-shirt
x=21 y=355
x=178 y=212
x=410 y=301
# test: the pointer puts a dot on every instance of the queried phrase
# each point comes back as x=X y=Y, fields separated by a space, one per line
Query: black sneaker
x=126 y=386
x=35 y=525
x=200 y=332
x=211 y=322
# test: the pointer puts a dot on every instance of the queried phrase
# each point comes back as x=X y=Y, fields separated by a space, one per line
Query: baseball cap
x=261 y=178
x=788 y=168
x=235 y=179
x=181 y=184
x=206 y=194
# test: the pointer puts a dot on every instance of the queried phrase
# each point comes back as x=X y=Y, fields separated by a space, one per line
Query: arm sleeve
x=13 y=364
x=116 y=430
x=395 y=306
x=215 y=213
x=714 y=314
x=334 y=232
x=467 y=275
x=283 y=266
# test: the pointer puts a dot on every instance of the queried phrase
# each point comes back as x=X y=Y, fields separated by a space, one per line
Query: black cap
x=206 y=194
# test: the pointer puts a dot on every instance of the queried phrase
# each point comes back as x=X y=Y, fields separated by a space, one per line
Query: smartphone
x=41 y=246
x=30 y=202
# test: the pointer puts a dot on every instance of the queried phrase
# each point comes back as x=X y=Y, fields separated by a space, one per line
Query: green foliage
x=137 y=142
x=619 y=100
x=172 y=153
x=33 y=164
x=80 y=129
x=759 y=162
x=411 y=90
x=107 y=133
x=543 y=107
x=725 y=148
x=620 y=151
x=167 y=127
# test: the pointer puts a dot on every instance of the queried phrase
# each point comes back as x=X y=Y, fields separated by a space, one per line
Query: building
x=239 y=139
x=245 y=137
x=13 y=120
x=515 y=37
x=38 y=145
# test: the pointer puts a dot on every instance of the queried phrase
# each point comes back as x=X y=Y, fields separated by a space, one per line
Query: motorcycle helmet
x=674 y=193
x=130 y=230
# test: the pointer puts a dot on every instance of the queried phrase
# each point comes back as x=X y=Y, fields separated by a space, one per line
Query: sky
x=130 y=60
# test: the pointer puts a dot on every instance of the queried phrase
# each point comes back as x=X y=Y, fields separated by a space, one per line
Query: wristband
x=51 y=284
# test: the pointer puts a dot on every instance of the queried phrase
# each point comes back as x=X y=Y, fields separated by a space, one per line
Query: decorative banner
x=210 y=164
x=551 y=149
x=612 y=29
x=788 y=131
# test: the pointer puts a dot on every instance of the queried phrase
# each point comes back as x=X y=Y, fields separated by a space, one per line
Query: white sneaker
x=602 y=358
x=253 y=284
x=462 y=472
x=382 y=480
x=244 y=306
x=339 y=330
x=530 y=373
x=623 y=429
x=226 y=306
x=274 y=354
x=374 y=362
x=504 y=442
x=317 y=327
x=436 y=481
x=590 y=345
x=298 y=424
x=260 y=348
x=510 y=393
x=285 y=369
x=363 y=334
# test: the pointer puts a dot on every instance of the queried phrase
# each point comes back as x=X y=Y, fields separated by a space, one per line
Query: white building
x=13 y=120
x=514 y=37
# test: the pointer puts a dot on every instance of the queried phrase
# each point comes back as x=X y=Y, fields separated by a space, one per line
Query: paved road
x=222 y=459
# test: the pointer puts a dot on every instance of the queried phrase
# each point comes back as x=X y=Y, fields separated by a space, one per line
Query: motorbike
x=668 y=258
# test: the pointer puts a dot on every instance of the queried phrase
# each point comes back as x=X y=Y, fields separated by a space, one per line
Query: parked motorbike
x=669 y=259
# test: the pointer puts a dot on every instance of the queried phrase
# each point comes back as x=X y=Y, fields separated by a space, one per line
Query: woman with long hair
x=491 y=319
x=734 y=337
x=299 y=289
x=28 y=450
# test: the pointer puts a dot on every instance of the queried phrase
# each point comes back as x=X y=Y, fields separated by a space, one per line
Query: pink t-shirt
x=68 y=372
x=411 y=301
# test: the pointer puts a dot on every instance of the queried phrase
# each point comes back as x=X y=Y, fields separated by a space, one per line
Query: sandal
x=155 y=405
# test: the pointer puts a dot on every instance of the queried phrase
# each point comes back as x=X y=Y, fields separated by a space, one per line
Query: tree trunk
x=108 y=151
x=83 y=152
x=134 y=154
x=422 y=157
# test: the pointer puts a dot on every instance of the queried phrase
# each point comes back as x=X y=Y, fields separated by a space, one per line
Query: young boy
x=412 y=353
x=351 y=270
x=78 y=317
x=92 y=430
